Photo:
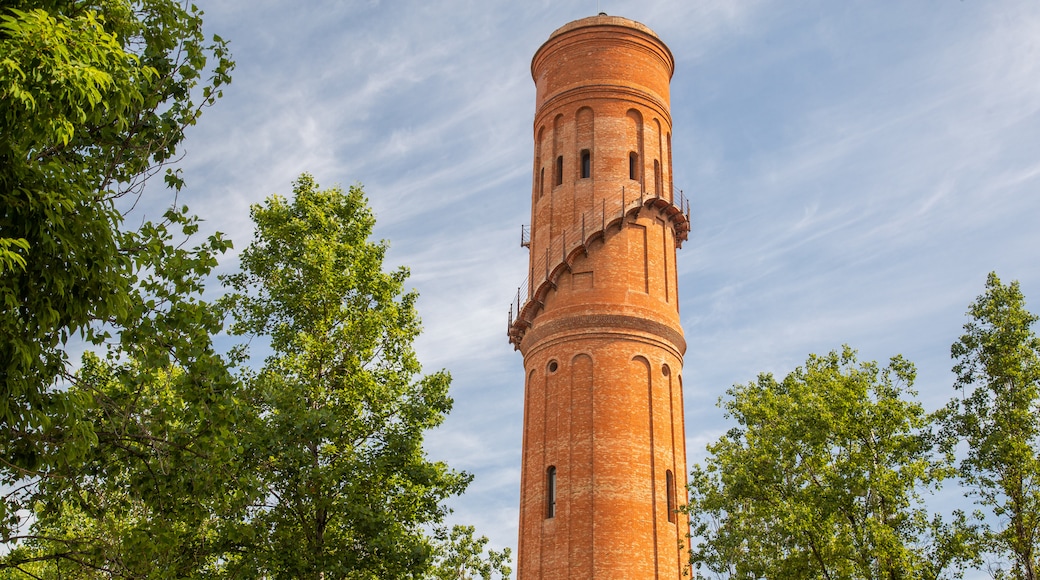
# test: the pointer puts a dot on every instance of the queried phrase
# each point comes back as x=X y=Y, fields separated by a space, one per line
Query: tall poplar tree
x=998 y=417
x=349 y=490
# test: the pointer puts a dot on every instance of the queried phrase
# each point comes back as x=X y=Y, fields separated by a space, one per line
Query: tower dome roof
x=602 y=19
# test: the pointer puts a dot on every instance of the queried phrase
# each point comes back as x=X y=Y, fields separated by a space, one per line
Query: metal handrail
x=558 y=249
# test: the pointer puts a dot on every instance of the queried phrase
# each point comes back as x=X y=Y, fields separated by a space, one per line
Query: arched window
x=559 y=170
x=586 y=164
x=669 y=484
x=633 y=166
x=550 y=492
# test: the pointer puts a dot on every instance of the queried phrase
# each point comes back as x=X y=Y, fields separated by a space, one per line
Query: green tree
x=998 y=417
x=160 y=492
x=349 y=490
x=460 y=556
x=95 y=97
x=822 y=479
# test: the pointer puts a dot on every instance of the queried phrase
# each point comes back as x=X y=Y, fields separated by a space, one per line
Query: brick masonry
x=603 y=405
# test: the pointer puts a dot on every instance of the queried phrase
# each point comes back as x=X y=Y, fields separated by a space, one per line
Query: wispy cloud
x=855 y=170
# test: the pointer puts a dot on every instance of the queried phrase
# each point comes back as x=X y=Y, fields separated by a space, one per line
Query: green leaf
x=823 y=478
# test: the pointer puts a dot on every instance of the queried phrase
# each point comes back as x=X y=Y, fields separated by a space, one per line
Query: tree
x=349 y=490
x=822 y=479
x=161 y=490
x=460 y=556
x=95 y=97
x=998 y=417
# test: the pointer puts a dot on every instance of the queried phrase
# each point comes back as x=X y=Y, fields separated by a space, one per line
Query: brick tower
x=604 y=457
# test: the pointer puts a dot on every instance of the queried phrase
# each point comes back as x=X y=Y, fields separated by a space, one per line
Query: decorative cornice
x=591 y=325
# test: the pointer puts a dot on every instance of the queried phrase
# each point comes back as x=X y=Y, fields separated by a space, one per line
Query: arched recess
x=642 y=377
x=668 y=168
x=679 y=439
x=585 y=123
x=582 y=466
x=657 y=154
x=558 y=150
x=634 y=141
x=539 y=163
x=525 y=461
x=530 y=385
x=674 y=431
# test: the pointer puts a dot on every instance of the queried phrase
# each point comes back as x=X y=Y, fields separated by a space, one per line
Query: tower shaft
x=604 y=458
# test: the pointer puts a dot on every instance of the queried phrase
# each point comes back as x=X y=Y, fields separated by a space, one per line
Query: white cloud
x=855 y=170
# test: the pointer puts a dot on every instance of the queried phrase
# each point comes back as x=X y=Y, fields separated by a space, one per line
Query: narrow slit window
x=670 y=490
x=633 y=165
x=657 y=178
x=550 y=492
x=541 y=183
x=586 y=164
x=559 y=170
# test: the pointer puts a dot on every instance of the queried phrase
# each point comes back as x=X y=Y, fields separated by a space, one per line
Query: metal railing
x=545 y=268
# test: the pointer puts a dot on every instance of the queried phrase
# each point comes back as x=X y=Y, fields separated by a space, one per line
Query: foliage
x=95 y=97
x=153 y=459
x=197 y=473
x=460 y=556
x=822 y=479
x=150 y=497
x=998 y=417
x=349 y=489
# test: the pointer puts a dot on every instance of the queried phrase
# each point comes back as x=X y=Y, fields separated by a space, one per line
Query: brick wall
x=603 y=353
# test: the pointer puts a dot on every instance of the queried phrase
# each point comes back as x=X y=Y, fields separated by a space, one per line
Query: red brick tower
x=604 y=457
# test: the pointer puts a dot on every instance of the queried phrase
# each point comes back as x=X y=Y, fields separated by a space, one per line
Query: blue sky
x=855 y=170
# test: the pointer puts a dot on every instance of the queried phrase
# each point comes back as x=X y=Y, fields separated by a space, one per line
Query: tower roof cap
x=602 y=19
x=616 y=26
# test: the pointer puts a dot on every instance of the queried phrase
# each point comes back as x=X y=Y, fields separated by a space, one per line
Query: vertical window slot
x=670 y=490
x=550 y=492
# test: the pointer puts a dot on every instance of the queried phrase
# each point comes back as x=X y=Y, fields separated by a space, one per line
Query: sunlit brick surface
x=603 y=351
